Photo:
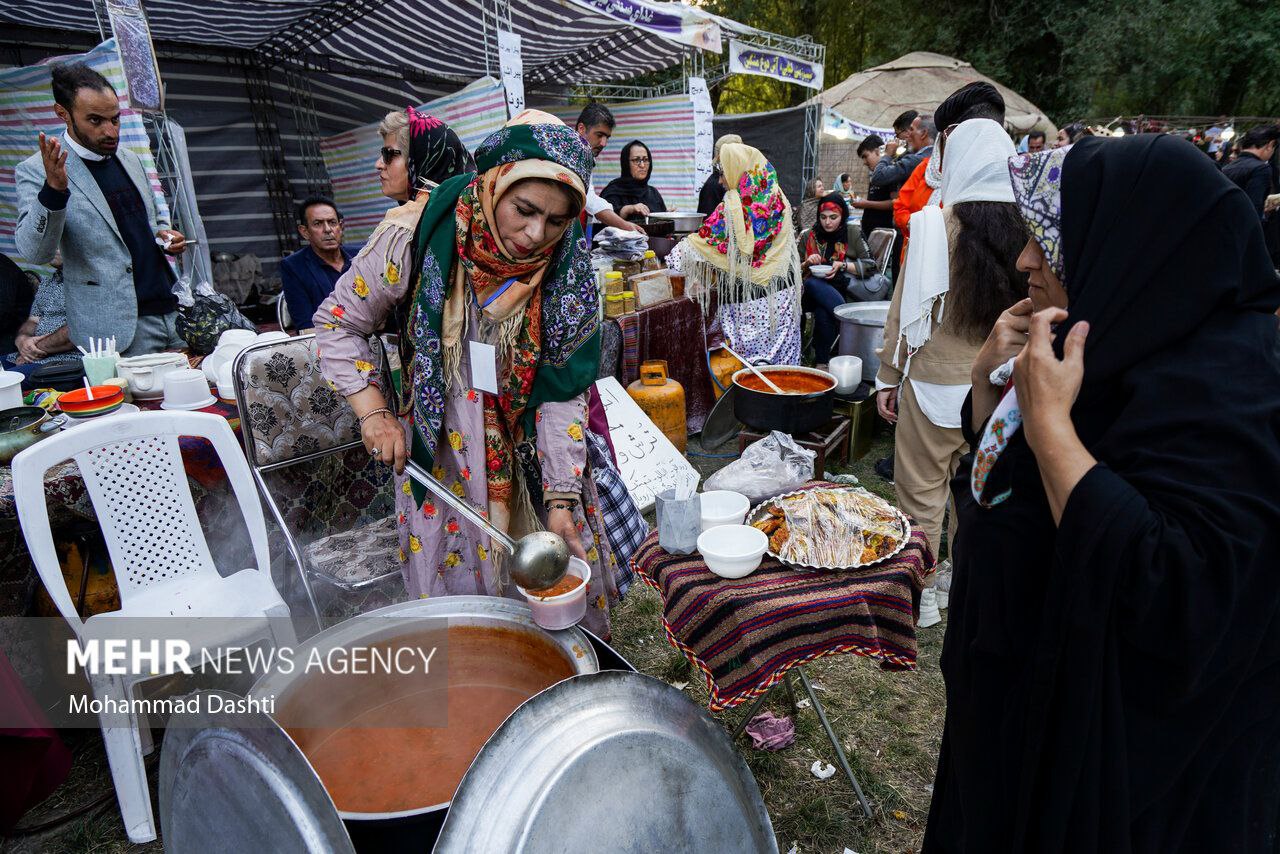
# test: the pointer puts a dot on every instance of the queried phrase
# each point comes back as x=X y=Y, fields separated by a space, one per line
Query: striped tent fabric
x=211 y=102
x=393 y=54
x=473 y=113
x=666 y=126
x=26 y=109
x=443 y=38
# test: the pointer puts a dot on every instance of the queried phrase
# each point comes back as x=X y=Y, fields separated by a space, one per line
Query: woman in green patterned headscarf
x=504 y=288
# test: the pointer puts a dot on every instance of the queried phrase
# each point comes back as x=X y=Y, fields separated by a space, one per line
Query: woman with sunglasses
x=631 y=195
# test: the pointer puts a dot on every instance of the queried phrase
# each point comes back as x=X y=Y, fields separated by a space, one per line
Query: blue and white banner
x=746 y=59
x=674 y=21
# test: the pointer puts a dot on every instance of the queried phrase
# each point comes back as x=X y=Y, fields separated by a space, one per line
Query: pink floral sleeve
x=360 y=304
x=562 y=447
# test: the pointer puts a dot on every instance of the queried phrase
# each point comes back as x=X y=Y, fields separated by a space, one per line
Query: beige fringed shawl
x=746 y=248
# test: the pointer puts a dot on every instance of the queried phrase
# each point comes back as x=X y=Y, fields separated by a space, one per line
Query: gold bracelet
x=369 y=415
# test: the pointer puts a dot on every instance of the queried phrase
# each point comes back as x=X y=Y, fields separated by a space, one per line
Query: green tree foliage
x=1073 y=58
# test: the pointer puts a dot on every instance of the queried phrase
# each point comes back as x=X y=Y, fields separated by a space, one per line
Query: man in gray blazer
x=89 y=197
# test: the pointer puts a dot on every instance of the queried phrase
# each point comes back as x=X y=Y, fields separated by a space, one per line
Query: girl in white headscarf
x=959 y=276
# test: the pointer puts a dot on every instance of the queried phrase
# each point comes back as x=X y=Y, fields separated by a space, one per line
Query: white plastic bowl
x=848 y=373
x=226 y=388
x=186 y=389
x=239 y=338
x=565 y=610
x=733 y=551
x=820 y=271
x=723 y=507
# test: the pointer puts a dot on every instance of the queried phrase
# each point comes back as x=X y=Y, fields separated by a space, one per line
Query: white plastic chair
x=133 y=470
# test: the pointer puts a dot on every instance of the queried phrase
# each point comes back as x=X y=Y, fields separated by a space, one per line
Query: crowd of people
x=1080 y=359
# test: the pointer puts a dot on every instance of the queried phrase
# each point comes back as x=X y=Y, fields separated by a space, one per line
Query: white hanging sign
x=648 y=461
x=676 y=22
x=703 y=134
x=512 y=66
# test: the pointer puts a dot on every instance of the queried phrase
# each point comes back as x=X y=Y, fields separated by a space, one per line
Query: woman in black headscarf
x=630 y=194
x=1112 y=656
x=833 y=244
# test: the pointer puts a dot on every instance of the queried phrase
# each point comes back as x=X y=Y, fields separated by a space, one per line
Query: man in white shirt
x=595 y=125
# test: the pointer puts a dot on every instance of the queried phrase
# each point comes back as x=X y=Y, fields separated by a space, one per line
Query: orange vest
x=913 y=196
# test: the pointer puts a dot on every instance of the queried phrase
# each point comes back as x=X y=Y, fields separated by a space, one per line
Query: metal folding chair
x=880 y=242
x=334 y=504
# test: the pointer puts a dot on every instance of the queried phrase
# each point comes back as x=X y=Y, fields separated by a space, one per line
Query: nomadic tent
x=921 y=81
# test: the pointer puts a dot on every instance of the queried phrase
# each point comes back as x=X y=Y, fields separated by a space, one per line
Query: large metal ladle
x=538 y=560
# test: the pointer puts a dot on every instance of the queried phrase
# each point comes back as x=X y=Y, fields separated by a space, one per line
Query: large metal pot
x=793 y=413
x=862 y=333
x=345 y=700
x=20 y=428
x=683 y=222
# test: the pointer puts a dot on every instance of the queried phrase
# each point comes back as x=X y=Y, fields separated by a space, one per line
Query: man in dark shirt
x=1251 y=171
x=307 y=276
x=84 y=194
x=892 y=171
x=877 y=207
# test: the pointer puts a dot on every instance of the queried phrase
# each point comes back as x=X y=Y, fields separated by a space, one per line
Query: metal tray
x=608 y=762
x=758 y=513
x=237 y=782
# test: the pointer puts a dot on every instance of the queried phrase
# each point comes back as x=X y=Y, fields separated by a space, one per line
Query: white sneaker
x=929 y=615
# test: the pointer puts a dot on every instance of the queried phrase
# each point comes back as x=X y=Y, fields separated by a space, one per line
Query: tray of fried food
x=831 y=529
x=774 y=525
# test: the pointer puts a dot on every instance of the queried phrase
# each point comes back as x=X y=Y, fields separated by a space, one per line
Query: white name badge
x=484 y=367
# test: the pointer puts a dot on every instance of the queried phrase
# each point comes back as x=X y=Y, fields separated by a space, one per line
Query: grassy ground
x=890 y=725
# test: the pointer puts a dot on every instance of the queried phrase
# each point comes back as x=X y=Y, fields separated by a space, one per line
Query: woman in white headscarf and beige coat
x=959 y=275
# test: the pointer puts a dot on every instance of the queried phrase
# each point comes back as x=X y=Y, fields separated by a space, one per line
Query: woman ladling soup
x=504 y=292
x=1112 y=657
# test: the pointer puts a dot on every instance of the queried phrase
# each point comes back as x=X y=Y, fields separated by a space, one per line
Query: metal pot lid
x=722 y=424
x=871 y=313
x=20 y=418
x=237 y=782
x=608 y=762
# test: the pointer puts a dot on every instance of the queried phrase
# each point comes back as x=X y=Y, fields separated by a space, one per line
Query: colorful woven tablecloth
x=744 y=635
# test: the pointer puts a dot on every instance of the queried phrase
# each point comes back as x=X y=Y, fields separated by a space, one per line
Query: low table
x=745 y=636
x=830 y=442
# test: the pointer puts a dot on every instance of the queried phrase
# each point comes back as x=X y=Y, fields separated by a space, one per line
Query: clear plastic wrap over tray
x=836 y=528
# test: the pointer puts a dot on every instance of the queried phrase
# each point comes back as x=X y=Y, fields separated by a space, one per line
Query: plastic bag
x=208 y=314
x=679 y=520
x=772 y=465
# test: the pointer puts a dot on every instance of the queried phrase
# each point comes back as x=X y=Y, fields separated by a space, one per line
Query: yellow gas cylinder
x=723 y=367
x=661 y=399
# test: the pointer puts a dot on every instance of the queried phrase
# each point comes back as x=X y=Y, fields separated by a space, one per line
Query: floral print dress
x=442 y=554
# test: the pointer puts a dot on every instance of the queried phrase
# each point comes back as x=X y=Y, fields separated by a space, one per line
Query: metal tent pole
x=812 y=119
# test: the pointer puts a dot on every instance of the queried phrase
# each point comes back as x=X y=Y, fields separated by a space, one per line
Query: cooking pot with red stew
x=390 y=745
x=804 y=406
